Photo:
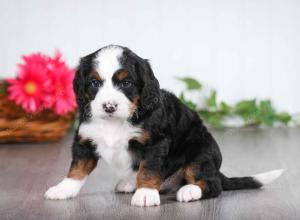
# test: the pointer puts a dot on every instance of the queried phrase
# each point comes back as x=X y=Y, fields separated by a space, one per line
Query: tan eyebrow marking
x=96 y=75
x=122 y=75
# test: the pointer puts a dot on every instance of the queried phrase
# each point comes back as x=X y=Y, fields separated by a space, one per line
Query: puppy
x=145 y=133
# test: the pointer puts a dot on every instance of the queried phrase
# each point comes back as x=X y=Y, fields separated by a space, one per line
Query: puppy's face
x=115 y=83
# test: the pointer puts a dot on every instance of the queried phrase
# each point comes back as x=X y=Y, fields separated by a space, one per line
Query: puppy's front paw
x=145 y=197
x=188 y=193
x=66 y=189
x=125 y=186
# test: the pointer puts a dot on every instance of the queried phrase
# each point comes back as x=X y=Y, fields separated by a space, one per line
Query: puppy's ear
x=150 y=94
x=79 y=86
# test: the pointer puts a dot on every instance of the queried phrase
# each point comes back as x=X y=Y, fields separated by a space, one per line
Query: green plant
x=253 y=112
x=3 y=88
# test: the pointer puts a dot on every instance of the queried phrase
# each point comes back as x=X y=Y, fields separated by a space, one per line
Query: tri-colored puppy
x=142 y=131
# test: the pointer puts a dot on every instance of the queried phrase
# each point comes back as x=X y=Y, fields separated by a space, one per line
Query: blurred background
x=242 y=48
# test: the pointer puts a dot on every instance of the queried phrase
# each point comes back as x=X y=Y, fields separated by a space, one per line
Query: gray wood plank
x=27 y=170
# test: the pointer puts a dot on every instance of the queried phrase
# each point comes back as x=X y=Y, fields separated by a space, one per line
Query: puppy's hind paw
x=124 y=187
x=188 y=193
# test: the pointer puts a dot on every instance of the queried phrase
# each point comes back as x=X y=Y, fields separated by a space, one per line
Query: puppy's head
x=114 y=82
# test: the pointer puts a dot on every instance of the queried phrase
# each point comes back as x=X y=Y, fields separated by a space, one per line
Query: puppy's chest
x=111 y=139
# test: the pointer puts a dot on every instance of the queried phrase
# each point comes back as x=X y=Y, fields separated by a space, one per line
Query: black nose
x=109 y=107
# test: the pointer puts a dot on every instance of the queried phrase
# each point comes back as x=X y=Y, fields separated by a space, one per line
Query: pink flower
x=43 y=82
x=62 y=80
x=32 y=85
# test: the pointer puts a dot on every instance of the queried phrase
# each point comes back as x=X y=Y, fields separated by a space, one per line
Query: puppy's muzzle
x=109 y=107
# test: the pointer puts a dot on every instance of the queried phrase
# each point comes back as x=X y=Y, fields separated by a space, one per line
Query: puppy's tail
x=249 y=182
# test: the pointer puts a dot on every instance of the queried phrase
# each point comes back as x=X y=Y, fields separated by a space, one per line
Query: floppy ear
x=79 y=87
x=150 y=94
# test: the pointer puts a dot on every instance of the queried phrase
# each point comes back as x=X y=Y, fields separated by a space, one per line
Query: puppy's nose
x=110 y=107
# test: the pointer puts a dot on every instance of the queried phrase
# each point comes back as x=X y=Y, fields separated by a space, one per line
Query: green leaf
x=214 y=119
x=181 y=97
x=2 y=91
x=211 y=101
x=73 y=126
x=3 y=86
x=283 y=117
x=248 y=110
x=187 y=103
x=266 y=107
x=224 y=108
x=245 y=106
x=191 y=83
x=251 y=111
x=266 y=112
x=191 y=105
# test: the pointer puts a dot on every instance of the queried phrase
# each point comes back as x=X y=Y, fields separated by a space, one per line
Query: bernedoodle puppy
x=145 y=133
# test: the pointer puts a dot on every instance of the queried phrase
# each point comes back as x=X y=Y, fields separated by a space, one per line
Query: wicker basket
x=16 y=125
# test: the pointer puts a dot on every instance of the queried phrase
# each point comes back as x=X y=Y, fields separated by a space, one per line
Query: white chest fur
x=111 y=137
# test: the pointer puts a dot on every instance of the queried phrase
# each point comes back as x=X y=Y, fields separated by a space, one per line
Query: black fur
x=178 y=136
x=80 y=85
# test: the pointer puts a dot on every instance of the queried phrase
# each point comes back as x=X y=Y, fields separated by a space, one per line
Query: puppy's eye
x=125 y=84
x=96 y=83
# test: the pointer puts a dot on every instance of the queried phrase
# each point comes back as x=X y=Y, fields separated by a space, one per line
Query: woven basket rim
x=17 y=125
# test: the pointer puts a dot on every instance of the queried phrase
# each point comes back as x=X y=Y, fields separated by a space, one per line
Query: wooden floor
x=27 y=170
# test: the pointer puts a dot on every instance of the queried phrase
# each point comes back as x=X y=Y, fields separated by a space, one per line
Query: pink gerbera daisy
x=62 y=80
x=32 y=85
x=43 y=82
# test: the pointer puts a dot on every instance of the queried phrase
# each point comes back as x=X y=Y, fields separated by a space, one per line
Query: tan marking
x=82 y=168
x=96 y=75
x=202 y=185
x=121 y=75
x=83 y=141
x=87 y=97
x=143 y=137
x=146 y=179
x=189 y=175
x=133 y=105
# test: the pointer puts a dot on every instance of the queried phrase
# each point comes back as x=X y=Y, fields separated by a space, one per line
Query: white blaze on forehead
x=107 y=64
x=108 y=61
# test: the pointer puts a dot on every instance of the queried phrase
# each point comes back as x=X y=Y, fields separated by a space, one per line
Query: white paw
x=68 y=188
x=125 y=186
x=188 y=193
x=145 y=197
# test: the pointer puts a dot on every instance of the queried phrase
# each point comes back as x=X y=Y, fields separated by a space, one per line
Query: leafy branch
x=253 y=112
